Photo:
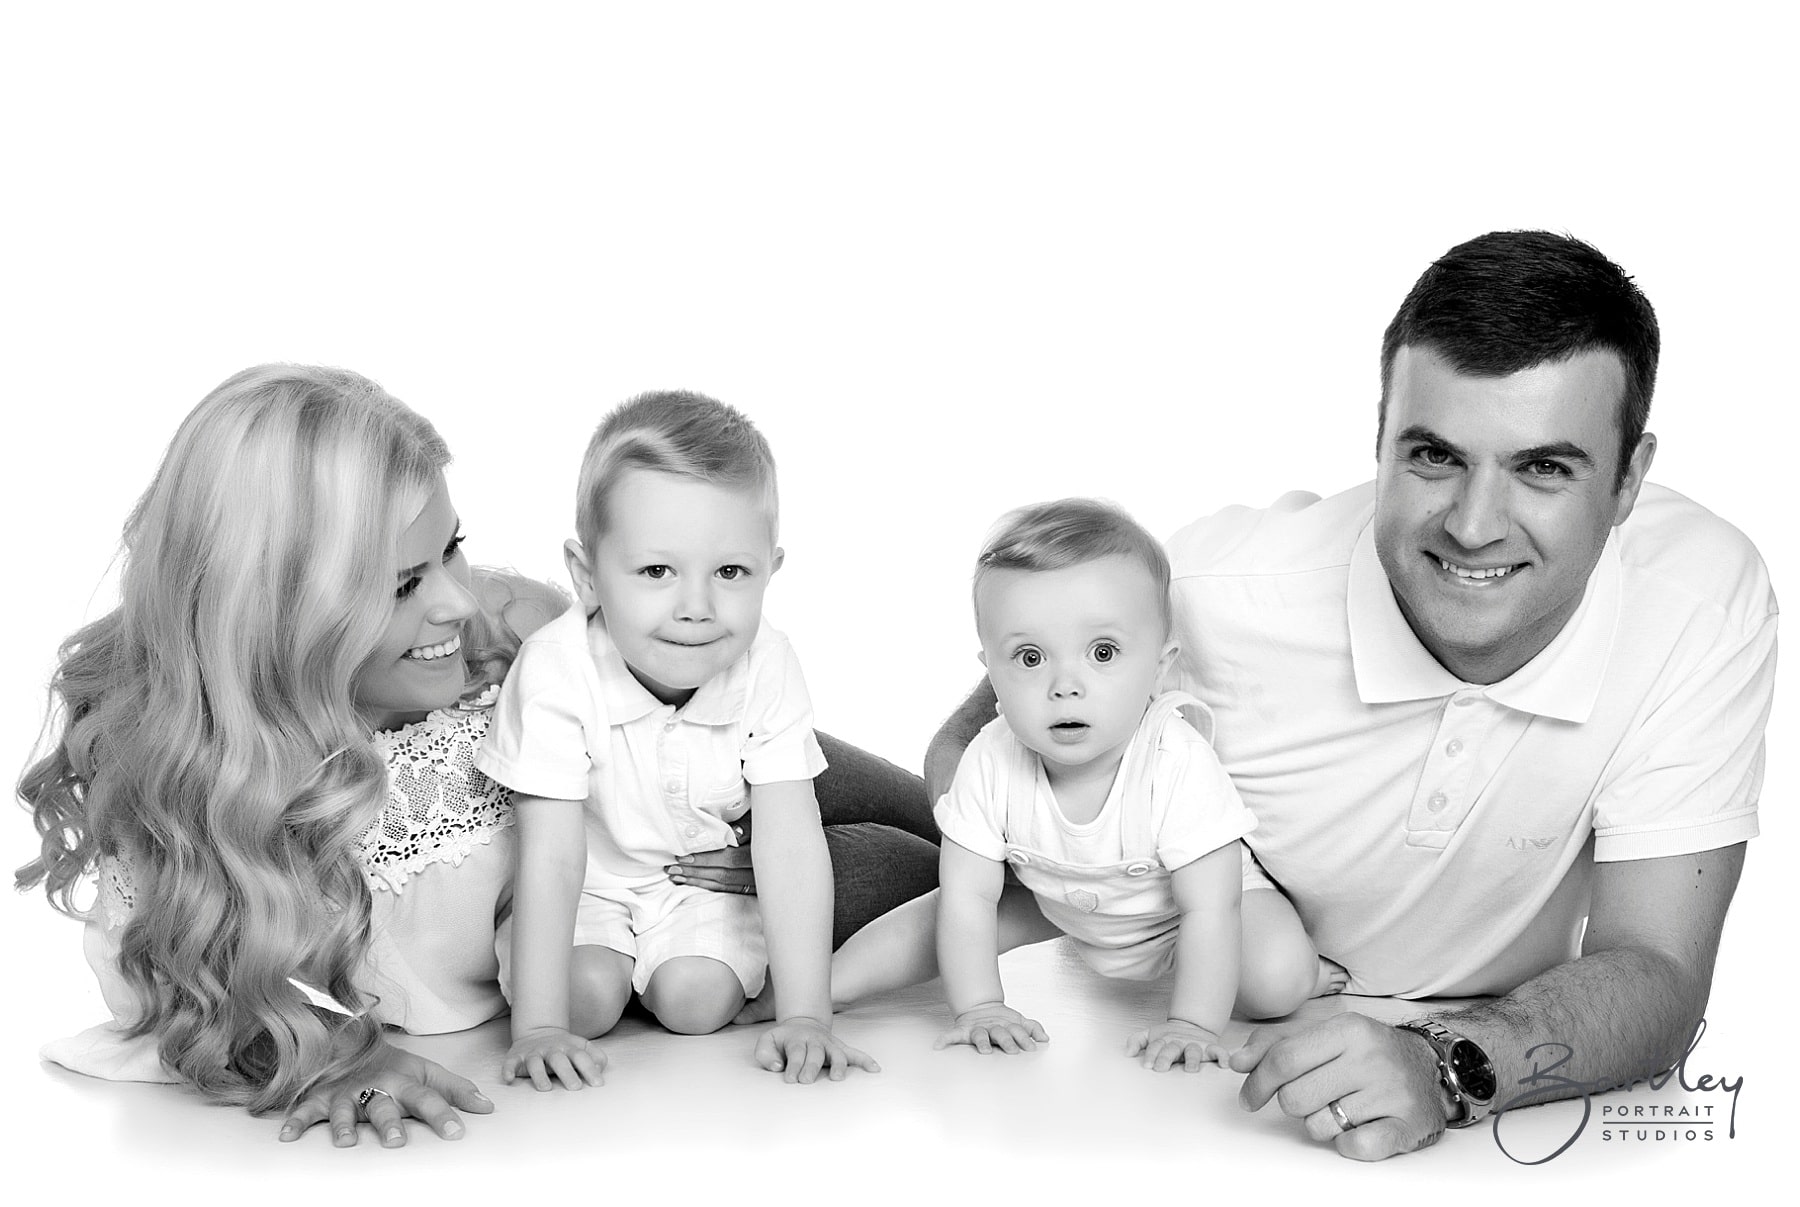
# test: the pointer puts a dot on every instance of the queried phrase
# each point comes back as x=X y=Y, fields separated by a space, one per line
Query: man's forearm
x=1593 y=1024
x=953 y=737
x=1629 y=1007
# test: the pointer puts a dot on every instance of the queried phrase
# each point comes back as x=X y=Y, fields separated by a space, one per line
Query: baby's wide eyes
x=1029 y=657
x=1103 y=652
x=654 y=572
x=731 y=573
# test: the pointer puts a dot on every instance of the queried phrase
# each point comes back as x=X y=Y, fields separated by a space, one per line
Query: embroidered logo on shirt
x=1527 y=843
x=1083 y=900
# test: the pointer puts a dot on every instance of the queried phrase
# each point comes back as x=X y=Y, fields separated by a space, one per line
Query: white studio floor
x=693 y=1119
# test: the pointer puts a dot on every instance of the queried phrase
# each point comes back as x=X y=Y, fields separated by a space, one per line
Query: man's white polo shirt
x=572 y=723
x=1438 y=837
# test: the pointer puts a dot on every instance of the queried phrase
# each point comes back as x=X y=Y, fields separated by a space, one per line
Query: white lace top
x=439 y=862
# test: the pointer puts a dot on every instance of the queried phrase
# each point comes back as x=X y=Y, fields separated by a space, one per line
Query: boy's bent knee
x=694 y=995
x=599 y=988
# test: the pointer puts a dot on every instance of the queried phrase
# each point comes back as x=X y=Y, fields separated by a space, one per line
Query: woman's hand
x=404 y=1084
x=726 y=870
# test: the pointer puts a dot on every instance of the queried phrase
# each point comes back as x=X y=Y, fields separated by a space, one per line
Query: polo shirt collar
x=1563 y=681
x=718 y=701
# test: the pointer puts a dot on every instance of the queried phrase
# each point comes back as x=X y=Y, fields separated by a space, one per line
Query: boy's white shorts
x=659 y=922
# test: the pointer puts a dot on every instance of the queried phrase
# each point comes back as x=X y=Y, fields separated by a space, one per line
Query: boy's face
x=678 y=577
x=1074 y=656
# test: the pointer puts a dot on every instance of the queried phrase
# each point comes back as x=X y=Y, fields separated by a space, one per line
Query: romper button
x=1453 y=747
x=1136 y=869
x=1017 y=857
x=1438 y=801
x=668 y=726
x=693 y=831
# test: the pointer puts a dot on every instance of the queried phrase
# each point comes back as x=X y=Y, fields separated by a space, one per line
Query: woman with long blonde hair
x=266 y=754
x=215 y=763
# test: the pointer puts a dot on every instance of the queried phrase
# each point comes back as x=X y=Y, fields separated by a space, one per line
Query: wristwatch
x=1463 y=1068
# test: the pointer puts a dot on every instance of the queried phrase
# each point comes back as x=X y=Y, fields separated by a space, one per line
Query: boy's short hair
x=1071 y=532
x=671 y=432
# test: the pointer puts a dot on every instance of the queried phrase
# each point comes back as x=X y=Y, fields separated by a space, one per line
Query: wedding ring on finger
x=367 y=1095
x=1338 y=1116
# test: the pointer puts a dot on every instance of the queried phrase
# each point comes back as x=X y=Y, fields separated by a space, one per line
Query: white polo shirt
x=572 y=723
x=1438 y=837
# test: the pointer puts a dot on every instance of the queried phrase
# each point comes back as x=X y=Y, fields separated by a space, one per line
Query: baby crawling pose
x=1108 y=805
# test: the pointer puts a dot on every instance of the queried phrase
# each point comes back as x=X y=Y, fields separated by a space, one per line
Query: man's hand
x=1383 y=1081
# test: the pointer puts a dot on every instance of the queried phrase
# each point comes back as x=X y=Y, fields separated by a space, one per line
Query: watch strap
x=1469 y=1109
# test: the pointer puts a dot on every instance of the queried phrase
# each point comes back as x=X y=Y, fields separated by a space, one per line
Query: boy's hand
x=1177 y=1042
x=799 y=1047
x=549 y=1055
x=995 y=1025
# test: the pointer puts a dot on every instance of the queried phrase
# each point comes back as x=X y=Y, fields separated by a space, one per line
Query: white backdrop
x=951 y=257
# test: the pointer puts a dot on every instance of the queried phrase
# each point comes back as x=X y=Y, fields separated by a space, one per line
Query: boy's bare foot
x=759 y=1009
x=1332 y=978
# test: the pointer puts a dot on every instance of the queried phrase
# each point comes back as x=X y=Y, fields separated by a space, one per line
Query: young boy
x=1108 y=806
x=635 y=729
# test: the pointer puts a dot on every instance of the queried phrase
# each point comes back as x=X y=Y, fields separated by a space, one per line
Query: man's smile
x=1474 y=574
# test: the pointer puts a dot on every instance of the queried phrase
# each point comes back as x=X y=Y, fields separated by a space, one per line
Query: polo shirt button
x=672 y=786
x=668 y=726
x=1437 y=802
x=1453 y=747
x=1464 y=701
x=693 y=831
x=1136 y=869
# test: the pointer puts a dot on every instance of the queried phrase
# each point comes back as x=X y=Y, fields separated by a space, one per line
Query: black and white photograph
x=820 y=603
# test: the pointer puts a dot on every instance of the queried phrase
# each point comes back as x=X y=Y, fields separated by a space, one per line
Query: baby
x=1109 y=807
x=635 y=729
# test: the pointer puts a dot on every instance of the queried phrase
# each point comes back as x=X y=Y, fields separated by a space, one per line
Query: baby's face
x=679 y=577
x=1074 y=656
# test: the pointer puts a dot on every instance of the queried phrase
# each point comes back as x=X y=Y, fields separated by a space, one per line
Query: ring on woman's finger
x=1337 y=1114
x=367 y=1095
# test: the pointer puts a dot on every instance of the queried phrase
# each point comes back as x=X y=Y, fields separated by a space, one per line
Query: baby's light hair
x=671 y=432
x=1072 y=532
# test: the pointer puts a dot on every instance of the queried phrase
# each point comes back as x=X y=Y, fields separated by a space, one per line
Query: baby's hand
x=994 y=1025
x=1177 y=1042
x=548 y=1055
x=799 y=1047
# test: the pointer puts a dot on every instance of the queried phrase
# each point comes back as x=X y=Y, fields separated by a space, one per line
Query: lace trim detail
x=439 y=805
x=118 y=892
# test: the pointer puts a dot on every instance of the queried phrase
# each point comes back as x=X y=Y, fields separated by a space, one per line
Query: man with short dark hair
x=1505 y=687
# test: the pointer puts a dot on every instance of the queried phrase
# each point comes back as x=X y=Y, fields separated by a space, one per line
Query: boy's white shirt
x=572 y=723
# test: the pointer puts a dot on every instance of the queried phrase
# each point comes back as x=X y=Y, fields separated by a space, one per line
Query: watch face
x=1474 y=1073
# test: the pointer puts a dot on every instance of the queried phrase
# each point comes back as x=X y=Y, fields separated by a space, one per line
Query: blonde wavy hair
x=206 y=727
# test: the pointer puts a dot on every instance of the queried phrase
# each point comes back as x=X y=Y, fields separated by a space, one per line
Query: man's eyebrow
x=1561 y=450
x=1419 y=434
